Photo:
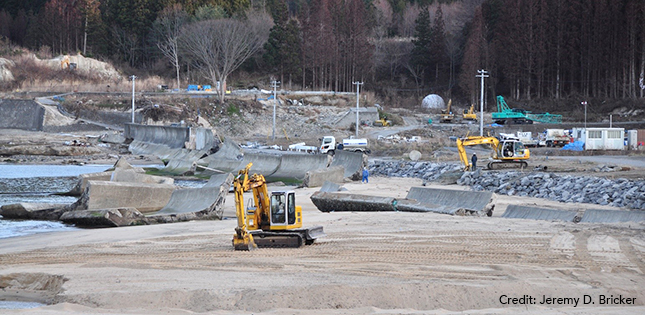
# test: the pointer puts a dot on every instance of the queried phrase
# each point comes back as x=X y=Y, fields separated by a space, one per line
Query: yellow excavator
x=274 y=220
x=507 y=152
x=446 y=114
x=383 y=122
x=64 y=63
x=469 y=114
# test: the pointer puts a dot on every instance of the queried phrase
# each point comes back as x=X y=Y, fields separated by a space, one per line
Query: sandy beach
x=369 y=263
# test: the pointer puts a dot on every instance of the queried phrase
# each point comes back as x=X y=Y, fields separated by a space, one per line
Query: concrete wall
x=21 y=114
x=173 y=137
x=204 y=138
x=317 y=178
x=144 y=197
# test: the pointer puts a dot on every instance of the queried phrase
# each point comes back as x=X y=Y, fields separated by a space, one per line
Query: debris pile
x=427 y=171
x=564 y=188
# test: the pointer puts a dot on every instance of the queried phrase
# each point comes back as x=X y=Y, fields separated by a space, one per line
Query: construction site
x=271 y=228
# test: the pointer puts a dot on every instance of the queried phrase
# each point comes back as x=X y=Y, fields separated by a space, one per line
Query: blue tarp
x=575 y=146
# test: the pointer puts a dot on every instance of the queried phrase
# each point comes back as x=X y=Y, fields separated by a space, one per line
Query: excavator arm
x=242 y=240
x=474 y=140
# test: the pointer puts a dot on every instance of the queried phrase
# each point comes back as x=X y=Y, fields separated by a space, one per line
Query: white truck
x=556 y=137
x=527 y=138
x=329 y=145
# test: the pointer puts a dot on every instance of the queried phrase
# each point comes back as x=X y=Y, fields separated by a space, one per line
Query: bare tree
x=218 y=47
x=126 y=44
x=167 y=29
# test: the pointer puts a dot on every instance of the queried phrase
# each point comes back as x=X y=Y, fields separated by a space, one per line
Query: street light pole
x=482 y=74
x=275 y=102
x=358 y=84
x=133 y=77
x=584 y=103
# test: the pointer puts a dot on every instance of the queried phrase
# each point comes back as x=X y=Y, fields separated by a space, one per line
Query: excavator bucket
x=313 y=233
x=243 y=241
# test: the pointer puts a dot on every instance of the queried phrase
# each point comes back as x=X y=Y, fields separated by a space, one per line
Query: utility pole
x=274 y=84
x=482 y=74
x=358 y=84
x=133 y=77
x=584 y=103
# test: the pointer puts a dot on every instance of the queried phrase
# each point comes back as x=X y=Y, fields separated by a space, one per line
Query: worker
x=366 y=174
x=474 y=160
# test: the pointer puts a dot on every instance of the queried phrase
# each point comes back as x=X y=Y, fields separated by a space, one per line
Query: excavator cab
x=284 y=212
x=512 y=149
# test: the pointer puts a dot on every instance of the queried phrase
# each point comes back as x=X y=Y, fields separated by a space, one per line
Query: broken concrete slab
x=330 y=187
x=105 y=217
x=106 y=195
x=181 y=162
x=535 y=213
x=263 y=163
x=475 y=202
x=123 y=164
x=295 y=165
x=612 y=216
x=353 y=163
x=411 y=205
x=317 y=178
x=32 y=211
x=84 y=178
x=196 y=203
x=132 y=176
x=330 y=201
x=419 y=200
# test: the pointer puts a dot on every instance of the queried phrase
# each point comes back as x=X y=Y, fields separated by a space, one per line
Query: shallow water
x=14 y=305
x=14 y=228
x=23 y=171
x=36 y=184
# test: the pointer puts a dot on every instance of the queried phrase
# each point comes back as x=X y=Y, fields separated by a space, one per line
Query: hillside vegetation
x=543 y=55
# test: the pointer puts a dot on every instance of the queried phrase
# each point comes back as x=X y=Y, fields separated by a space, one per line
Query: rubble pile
x=427 y=171
x=564 y=188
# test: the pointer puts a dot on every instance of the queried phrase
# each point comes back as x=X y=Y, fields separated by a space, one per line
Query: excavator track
x=498 y=165
x=287 y=239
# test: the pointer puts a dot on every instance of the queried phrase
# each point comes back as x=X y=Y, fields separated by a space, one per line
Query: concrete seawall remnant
x=263 y=163
x=351 y=161
x=535 y=213
x=612 y=216
x=173 y=137
x=126 y=216
x=32 y=211
x=333 y=201
x=452 y=201
x=419 y=200
x=294 y=165
x=196 y=203
x=142 y=196
x=317 y=178
x=21 y=114
x=182 y=161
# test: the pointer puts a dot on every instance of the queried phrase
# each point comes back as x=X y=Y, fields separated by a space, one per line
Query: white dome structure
x=433 y=101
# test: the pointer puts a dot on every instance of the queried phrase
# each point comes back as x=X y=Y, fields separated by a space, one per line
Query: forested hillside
x=532 y=49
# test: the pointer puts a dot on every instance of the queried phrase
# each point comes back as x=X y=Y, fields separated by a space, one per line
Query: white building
x=601 y=138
